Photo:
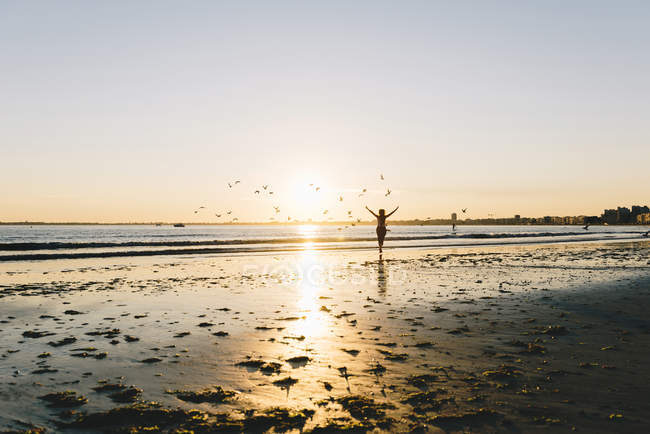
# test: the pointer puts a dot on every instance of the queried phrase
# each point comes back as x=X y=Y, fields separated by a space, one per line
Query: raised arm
x=392 y=212
x=370 y=211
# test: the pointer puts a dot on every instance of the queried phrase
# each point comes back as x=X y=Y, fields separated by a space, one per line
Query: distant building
x=643 y=219
x=453 y=216
x=517 y=217
x=637 y=211
x=623 y=214
x=609 y=216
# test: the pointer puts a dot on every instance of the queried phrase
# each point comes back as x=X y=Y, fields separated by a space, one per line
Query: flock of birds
x=266 y=190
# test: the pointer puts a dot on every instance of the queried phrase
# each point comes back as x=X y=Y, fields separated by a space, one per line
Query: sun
x=307 y=195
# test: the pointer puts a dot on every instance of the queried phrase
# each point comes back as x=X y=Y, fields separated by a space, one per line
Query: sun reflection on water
x=307 y=231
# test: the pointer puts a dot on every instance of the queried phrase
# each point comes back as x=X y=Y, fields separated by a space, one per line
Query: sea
x=44 y=242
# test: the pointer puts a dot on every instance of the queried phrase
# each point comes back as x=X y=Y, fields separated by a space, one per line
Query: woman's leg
x=381 y=234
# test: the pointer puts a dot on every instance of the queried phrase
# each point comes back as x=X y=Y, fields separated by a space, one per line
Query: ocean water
x=63 y=241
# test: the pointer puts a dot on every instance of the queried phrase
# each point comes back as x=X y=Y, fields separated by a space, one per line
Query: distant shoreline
x=436 y=222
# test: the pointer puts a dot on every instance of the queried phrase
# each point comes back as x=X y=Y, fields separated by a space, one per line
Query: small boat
x=179 y=225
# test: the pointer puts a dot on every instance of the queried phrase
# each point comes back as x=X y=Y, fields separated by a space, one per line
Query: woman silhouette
x=381 y=224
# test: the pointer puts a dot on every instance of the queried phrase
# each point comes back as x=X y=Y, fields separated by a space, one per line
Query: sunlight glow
x=313 y=277
x=307 y=231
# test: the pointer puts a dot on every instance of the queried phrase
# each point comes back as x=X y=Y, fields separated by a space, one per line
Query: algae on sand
x=362 y=407
x=64 y=399
x=150 y=416
x=215 y=395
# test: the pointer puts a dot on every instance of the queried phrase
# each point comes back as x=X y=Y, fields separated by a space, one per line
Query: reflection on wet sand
x=382 y=280
x=312 y=278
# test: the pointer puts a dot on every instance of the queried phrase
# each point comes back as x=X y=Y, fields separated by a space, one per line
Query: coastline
x=494 y=338
x=288 y=243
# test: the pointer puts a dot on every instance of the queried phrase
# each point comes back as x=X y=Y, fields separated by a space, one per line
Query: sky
x=129 y=111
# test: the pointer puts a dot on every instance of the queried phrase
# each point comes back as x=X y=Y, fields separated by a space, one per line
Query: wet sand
x=491 y=339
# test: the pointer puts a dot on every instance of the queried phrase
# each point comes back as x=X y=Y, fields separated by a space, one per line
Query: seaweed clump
x=64 y=399
x=361 y=407
x=125 y=395
x=343 y=425
x=215 y=395
x=504 y=372
x=267 y=368
x=64 y=341
x=150 y=416
x=423 y=402
x=285 y=383
x=396 y=357
x=280 y=419
x=421 y=381
x=271 y=368
x=109 y=387
x=298 y=361
x=35 y=334
x=141 y=415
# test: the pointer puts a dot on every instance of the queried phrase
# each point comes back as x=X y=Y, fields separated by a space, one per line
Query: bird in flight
x=270 y=192
x=218 y=215
x=317 y=188
x=229 y=212
x=340 y=198
x=265 y=187
x=235 y=219
x=201 y=207
x=388 y=192
x=196 y=211
x=325 y=212
x=277 y=209
x=229 y=185
x=257 y=192
x=237 y=182
x=381 y=176
x=463 y=210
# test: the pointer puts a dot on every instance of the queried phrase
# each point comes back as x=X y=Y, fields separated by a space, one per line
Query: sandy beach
x=549 y=337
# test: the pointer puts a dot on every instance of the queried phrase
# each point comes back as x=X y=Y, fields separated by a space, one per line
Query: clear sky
x=145 y=110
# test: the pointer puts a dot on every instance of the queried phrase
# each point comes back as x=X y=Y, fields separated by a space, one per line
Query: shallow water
x=61 y=241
